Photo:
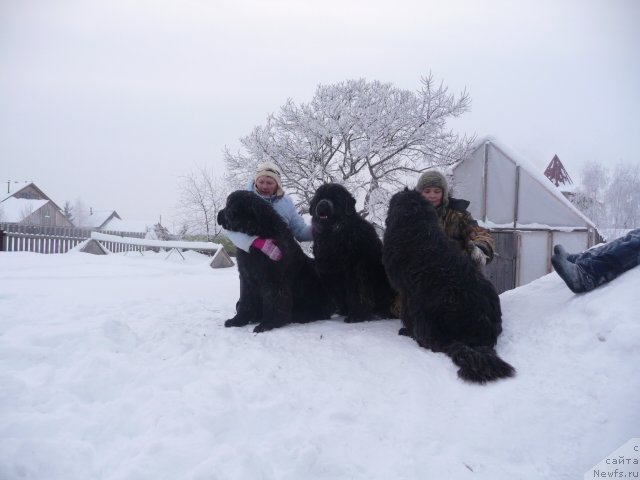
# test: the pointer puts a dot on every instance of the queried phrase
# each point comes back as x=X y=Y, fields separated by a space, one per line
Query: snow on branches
x=368 y=136
x=202 y=196
x=610 y=197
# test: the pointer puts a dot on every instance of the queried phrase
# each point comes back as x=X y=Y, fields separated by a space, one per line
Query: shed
x=524 y=211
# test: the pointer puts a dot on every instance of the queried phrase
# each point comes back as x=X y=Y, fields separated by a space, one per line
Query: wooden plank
x=518 y=259
x=549 y=250
x=149 y=243
x=500 y=272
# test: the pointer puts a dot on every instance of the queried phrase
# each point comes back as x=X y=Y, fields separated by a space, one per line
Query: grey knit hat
x=433 y=178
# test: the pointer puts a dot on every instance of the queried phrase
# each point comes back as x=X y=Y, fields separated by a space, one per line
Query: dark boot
x=559 y=250
x=572 y=274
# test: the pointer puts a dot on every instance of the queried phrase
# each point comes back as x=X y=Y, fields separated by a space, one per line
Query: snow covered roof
x=512 y=190
x=27 y=185
x=30 y=191
x=119 y=225
x=13 y=210
x=98 y=218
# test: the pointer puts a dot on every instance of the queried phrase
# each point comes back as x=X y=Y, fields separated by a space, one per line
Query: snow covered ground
x=119 y=367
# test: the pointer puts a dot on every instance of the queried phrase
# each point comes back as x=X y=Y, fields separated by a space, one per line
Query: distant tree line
x=610 y=197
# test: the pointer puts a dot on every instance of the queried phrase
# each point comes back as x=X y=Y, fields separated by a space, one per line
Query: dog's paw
x=404 y=331
x=236 y=322
x=265 y=327
x=355 y=319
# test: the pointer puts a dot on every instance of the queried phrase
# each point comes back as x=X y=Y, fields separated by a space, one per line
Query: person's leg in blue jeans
x=587 y=270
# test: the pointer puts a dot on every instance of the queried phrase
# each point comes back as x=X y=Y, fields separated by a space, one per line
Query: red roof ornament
x=557 y=173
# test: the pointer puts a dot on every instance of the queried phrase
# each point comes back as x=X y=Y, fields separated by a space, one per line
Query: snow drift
x=119 y=367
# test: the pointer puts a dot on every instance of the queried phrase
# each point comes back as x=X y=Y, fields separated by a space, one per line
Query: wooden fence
x=29 y=238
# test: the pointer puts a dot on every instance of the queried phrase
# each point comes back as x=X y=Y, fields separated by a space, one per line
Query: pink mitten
x=268 y=247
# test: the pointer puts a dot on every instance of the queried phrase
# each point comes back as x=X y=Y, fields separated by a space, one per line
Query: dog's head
x=331 y=203
x=410 y=205
x=247 y=213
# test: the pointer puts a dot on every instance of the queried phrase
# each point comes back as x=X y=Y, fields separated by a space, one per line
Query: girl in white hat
x=267 y=183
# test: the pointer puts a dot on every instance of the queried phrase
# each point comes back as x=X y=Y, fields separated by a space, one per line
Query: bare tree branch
x=202 y=195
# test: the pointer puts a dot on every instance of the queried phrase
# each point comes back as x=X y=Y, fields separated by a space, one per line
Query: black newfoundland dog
x=348 y=256
x=447 y=304
x=272 y=294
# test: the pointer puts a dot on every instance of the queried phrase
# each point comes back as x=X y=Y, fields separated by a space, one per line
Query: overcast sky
x=112 y=101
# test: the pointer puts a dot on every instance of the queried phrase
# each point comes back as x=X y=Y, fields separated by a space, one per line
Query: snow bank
x=119 y=367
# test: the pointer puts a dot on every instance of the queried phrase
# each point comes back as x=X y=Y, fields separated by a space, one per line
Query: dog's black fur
x=447 y=304
x=348 y=255
x=272 y=294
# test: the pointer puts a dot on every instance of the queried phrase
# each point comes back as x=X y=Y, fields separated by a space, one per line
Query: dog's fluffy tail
x=478 y=364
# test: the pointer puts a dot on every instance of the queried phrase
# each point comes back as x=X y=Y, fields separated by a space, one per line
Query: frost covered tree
x=610 y=199
x=67 y=211
x=161 y=232
x=371 y=137
x=80 y=213
x=589 y=196
x=623 y=196
x=202 y=195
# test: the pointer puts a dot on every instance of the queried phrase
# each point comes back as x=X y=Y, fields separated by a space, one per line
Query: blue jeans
x=606 y=262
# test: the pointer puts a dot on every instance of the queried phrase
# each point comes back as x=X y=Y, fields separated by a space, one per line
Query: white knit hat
x=268 y=169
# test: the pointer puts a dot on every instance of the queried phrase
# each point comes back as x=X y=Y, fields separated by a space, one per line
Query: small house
x=31 y=206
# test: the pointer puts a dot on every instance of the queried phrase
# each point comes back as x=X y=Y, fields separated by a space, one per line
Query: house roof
x=98 y=218
x=119 y=225
x=35 y=187
x=13 y=210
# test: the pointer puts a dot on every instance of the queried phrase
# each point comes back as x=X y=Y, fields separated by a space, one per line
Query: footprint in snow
x=123 y=338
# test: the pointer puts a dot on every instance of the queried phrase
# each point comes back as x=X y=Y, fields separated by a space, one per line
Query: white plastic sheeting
x=506 y=190
x=536 y=247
